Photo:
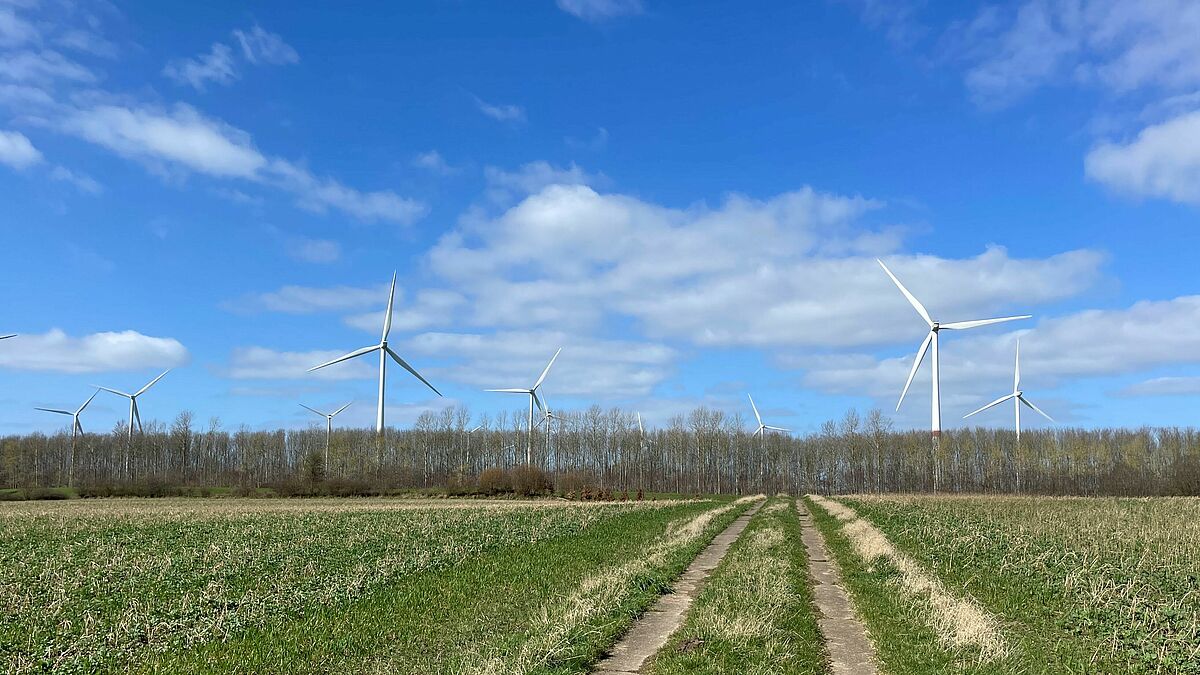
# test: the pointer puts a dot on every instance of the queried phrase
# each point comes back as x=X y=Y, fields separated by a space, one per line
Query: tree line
x=704 y=451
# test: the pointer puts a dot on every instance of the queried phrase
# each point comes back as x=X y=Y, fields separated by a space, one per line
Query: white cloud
x=587 y=367
x=1163 y=161
x=797 y=268
x=87 y=42
x=16 y=150
x=433 y=161
x=42 y=67
x=183 y=137
x=215 y=66
x=501 y=113
x=600 y=10
x=260 y=46
x=309 y=300
x=430 y=307
x=14 y=30
x=82 y=182
x=260 y=363
x=977 y=366
x=1164 y=386
x=533 y=177
x=95 y=353
x=1121 y=46
x=319 y=251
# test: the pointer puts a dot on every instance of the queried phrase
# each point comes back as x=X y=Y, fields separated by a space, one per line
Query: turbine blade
x=85 y=403
x=916 y=364
x=335 y=412
x=1017 y=370
x=998 y=401
x=775 y=428
x=55 y=410
x=152 y=382
x=755 y=408
x=511 y=391
x=404 y=365
x=78 y=426
x=547 y=370
x=912 y=300
x=641 y=430
x=963 y=325
x=113 y=391
x=137 y=415
x=312 y=410
x=1036 y=409
x=356 y=352
x=387 y=319
x=537 y=400
x=5 y=337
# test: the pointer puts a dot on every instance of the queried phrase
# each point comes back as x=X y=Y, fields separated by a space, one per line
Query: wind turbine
x=384 y=352
x=76 y=429
x=932 y=338
x=134 y=416
x=328 y=426
x=762 y=428
x=1017 y=396
x=533 y=399
x=5 y=337
x=761 y=432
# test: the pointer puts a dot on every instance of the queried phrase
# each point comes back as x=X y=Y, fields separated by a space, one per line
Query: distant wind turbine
x=384 y=352
x=134 y=415
x=328 y=426
x=76 y=429
x=762 y=428
x=5 y=337
x=932 y=338
x=533 y=399
x=1017 y=396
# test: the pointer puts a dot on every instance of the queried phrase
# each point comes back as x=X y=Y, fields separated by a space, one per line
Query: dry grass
x=556 y=628
x=959 y=622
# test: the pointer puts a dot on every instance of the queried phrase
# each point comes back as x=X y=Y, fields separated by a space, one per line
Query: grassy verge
x=1084 y=585
x=755 y=613
x=897 y=622
x=478 y=615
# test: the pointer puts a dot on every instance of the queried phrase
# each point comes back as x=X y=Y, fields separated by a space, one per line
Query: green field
x=944 y=584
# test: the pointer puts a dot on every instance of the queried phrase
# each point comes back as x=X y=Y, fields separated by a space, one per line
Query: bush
x=530 y=480
x=495 y=481
x=575 y=482
x=348 y=487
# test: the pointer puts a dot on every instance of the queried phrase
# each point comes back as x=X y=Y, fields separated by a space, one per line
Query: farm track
x=850 y=650
x=651 y=632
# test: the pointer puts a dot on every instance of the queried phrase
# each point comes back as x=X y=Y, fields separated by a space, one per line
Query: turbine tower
x=932 y=339
x=533 y=399
x=384 y=352
x=328 y=426
x=134 y=415
x=1017 y=396
x=76 y=429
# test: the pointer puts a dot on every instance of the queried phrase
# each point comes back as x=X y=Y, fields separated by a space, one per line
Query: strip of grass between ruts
x=755 y=614
x=897 y=621
x=478 y=612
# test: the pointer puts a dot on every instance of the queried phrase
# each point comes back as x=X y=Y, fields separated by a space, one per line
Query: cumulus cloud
x=433 y=162
x=1163 y=161
x=532 y=177
x=94 y=353
x=17 y=151
x=1164 y=386
x=601 y=10
x=430 y=307
x=796 y=268
x=587 y=367
x=261 y=363
x=310 y=300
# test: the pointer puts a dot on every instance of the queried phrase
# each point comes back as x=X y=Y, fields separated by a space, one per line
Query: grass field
x=1073 y=585
x=169 y=585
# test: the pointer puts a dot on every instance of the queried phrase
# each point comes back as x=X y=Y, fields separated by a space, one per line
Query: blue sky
x=687 y=197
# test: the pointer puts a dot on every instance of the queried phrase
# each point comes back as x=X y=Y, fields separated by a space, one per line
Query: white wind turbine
x=384 y=352
x=134 y=415
x=1017 y=396
x=932 y=339
x=76 y=429
x=762 y=428
x=533 y=399
x=328 y=426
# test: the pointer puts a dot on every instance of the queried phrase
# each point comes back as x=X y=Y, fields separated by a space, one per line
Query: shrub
x=348 y=487
x=574 y=482
x=495 y=481
x=530 y=480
